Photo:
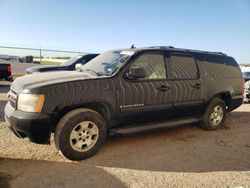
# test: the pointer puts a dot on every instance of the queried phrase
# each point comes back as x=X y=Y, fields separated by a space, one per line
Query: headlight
x=30 y=102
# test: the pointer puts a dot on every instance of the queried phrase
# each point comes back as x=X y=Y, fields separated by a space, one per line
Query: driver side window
x=153 y=64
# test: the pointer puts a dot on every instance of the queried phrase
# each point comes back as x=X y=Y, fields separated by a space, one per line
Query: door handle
x=164 y=88
x=197 y=86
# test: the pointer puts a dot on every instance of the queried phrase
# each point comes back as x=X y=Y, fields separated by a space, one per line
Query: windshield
x=72 y=60
x=107 y=63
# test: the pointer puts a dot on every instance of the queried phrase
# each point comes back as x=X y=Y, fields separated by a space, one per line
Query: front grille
x=12 y=96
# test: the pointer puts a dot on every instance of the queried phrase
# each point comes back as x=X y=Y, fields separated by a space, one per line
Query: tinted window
x=83 y=61
x=72 y=60
x=225 y=60
x=153 y=64
x=183 y=67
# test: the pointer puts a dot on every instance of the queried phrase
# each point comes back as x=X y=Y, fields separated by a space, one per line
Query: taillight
x=243 y=86
x=9 y=68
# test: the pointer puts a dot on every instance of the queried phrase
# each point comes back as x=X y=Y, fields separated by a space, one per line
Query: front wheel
x=215 y=115
x=80 y=134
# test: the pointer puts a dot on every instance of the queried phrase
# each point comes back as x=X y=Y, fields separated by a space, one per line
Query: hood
x=44 y=68
x=38 y=80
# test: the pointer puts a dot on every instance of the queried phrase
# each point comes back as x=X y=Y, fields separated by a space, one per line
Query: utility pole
x=40 y=55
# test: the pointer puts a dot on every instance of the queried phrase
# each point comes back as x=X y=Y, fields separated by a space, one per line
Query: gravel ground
x=184 y=156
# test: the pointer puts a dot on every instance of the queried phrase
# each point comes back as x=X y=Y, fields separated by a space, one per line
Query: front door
x=146 y=99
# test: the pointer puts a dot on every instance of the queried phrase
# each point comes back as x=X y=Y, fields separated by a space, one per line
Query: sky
x=97 y=26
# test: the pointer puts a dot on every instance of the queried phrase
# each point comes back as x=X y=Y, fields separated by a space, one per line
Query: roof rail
x=207 y=52
x=161 y=47
x=187 y=50
x=220 y=53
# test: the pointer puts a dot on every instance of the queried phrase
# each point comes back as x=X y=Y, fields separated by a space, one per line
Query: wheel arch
x=104 y=109
x=225 y=96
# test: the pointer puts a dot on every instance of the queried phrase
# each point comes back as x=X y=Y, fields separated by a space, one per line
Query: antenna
x=132 y=47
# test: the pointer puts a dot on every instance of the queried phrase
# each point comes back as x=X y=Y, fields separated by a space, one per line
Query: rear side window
x=153 y=64
x=183 y=66
x=224 y=60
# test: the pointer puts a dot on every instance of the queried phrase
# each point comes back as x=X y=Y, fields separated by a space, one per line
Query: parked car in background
x=28 y=59
x=9 y=57
x=69 y=65
x=5 y=72
x=124 y=91
x=247 y=92
x=246 y=76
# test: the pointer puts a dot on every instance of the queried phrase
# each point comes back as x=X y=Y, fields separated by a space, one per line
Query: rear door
x=147 y=99
x=186 y=84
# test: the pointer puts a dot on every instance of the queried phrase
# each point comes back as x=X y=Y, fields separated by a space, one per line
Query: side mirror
x=136 y=72
x=78 y=66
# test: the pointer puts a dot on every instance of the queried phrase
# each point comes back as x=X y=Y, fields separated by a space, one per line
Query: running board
x=151 y=126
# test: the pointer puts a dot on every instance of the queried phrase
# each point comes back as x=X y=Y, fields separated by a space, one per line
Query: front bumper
x=35 y=126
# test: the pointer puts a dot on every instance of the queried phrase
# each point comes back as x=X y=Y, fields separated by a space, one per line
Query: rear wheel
x=80 y=134
x=9 y=79
x=215 y=114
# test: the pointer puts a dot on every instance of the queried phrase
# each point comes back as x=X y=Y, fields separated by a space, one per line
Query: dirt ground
x=185 y=156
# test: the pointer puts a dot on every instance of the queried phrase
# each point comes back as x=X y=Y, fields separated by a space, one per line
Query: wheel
x=9 y=79
x=215 y=115
x=80 y=134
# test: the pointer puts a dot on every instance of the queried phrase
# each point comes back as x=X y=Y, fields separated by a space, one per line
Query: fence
x=39 y=53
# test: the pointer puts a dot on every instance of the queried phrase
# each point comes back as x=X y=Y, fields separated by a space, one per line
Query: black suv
x=124 y=91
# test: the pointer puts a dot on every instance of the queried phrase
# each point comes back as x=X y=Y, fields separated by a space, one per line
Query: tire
x=9 y=79
x=80 y=134
x=215 y=115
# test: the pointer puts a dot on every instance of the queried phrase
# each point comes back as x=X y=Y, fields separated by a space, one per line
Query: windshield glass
x=72 y=60
x=107 y=63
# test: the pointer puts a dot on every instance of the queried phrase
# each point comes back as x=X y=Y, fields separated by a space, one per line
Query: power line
x=41 y=49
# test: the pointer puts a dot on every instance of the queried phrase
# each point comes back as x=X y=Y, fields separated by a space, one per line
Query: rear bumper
x=35 y=126
x=5 y=75
x=235 y=102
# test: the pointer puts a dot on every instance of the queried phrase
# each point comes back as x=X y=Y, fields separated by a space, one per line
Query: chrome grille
x=12 y=96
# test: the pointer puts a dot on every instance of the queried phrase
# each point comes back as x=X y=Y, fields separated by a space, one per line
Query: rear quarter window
x=220 y=66
x=225 y=60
